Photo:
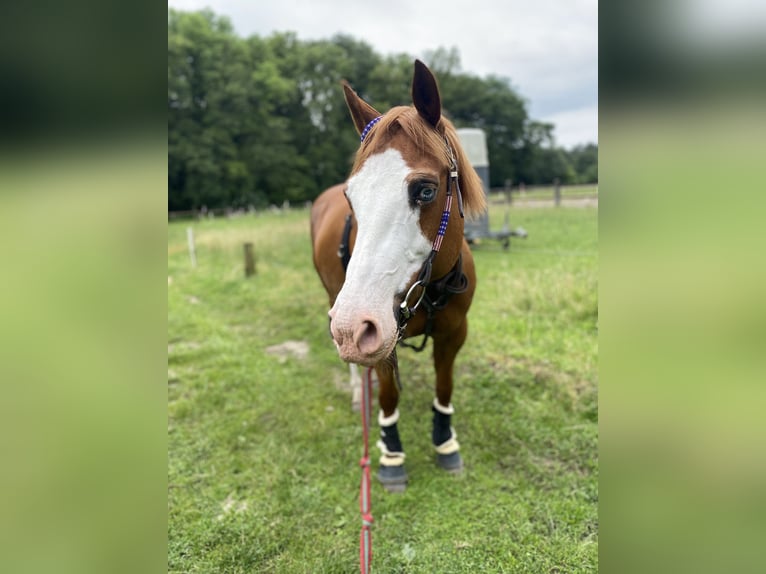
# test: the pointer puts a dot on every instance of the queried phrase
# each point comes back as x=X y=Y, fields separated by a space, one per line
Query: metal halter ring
x=406 y=310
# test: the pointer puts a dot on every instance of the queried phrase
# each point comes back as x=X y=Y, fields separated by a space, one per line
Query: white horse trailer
x=474 y=143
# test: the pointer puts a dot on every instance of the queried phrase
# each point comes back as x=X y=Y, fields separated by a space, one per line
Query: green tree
x=584 y=159
x=492 y=105
x=206 y=91
x=260 y=120
x=391 y=82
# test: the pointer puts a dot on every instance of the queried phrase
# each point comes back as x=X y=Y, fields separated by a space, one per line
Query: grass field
x=546 y=193
x=263 y=450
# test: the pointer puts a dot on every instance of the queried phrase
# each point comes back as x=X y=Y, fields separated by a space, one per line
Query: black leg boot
x=444 y=439
x=391 y=473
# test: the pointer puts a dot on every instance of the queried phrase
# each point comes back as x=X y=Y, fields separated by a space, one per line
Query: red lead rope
x=365 y=507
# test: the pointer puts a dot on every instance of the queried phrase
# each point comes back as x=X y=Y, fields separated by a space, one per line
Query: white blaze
x=390 y=246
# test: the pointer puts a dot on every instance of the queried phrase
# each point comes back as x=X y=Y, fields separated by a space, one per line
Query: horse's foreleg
x=391 y=472
x=444 y=437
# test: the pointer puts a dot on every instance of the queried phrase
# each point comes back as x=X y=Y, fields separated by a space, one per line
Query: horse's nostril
x=336 y=334
x=367 y=337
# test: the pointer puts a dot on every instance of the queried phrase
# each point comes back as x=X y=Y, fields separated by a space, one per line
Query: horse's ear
x=361 y=112
x=425 y=94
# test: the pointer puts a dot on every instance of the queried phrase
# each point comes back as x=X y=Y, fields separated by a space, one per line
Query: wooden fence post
x=557 y=191
x=249 y=260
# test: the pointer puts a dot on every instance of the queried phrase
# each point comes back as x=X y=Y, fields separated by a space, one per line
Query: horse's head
x=398 y=192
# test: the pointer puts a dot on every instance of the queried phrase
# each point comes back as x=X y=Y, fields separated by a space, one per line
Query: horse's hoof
x=452 y=463
x=393 y=478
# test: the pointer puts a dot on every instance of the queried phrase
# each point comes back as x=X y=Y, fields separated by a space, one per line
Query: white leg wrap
x=388 y=421
x=388 y=458
x=448 y=410
x=449 y=446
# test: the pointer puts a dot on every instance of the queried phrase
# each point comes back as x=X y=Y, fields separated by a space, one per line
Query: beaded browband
x=368 y=127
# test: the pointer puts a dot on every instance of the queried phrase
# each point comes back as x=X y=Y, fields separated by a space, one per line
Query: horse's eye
x=422 y=191
x=427 y=194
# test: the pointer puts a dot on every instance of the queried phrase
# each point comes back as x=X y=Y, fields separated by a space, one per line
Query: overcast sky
x=547 y=48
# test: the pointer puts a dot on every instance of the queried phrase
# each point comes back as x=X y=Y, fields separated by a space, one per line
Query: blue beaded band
x=368 y=127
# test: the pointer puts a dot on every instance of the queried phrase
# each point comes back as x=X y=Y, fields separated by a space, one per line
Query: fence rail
x=230 y=212
x=496 y=195
x=554 y=192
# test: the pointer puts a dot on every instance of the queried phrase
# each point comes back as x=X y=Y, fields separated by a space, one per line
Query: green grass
x=262 y=463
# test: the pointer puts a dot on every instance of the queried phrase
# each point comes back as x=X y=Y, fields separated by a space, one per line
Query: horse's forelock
x=471 y=186
x=415 y=128
x=431 y=142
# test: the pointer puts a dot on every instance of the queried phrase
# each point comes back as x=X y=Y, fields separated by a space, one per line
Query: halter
x=407 y=310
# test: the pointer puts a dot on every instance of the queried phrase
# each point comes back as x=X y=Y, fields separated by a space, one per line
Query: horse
x=389 y=249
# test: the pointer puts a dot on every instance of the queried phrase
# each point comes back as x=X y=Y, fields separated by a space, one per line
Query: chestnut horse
x=410 y=270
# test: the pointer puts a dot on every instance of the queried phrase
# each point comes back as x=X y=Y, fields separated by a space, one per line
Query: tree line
x=257 y=121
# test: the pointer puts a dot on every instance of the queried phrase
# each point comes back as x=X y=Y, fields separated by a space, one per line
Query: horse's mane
x=432 y=143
